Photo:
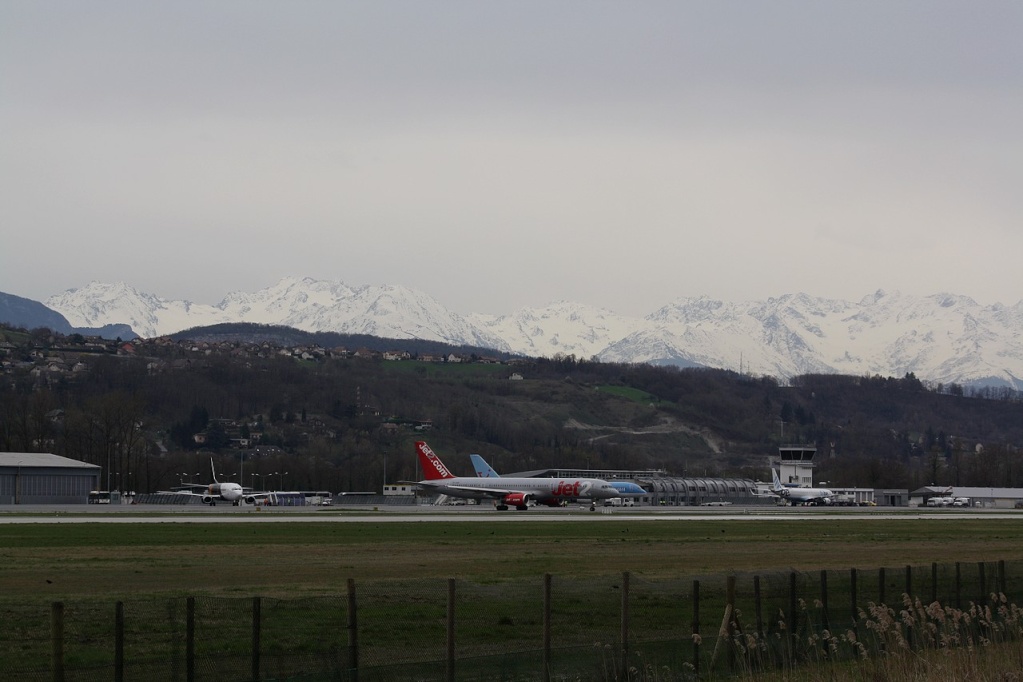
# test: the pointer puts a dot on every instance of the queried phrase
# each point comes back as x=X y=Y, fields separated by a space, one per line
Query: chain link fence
x=611 y=627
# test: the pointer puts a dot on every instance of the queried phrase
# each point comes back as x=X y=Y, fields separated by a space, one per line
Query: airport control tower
x=795 y=464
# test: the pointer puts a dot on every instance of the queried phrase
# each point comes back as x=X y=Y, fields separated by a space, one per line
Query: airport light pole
x=283 y=474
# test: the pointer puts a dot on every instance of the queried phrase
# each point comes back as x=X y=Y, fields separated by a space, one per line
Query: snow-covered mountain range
x=941 y=338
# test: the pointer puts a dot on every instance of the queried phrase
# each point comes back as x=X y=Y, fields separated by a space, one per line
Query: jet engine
x=517 y=500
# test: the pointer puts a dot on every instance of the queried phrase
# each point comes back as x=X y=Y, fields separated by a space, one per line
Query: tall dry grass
x=919 y=642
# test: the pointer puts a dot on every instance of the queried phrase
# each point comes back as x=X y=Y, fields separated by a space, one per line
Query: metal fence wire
x=609 y=627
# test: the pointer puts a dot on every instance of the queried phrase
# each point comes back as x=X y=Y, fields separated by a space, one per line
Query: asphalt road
x=432 y=514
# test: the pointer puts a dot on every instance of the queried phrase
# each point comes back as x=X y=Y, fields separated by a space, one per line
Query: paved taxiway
x=50 y=514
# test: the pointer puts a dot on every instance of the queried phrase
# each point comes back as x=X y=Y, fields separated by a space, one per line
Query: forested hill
x=154 y=409
x=289 y=337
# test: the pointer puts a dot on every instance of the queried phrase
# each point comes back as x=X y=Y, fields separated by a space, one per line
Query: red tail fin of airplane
x=433 y=468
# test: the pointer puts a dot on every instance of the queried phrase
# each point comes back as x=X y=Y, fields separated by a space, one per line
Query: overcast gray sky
x=511 y=153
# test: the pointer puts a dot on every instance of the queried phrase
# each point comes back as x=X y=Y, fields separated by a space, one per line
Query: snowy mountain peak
x=943 y=338
x=98 y=302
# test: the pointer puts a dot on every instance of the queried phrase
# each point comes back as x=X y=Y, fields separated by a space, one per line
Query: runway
x=78 y=514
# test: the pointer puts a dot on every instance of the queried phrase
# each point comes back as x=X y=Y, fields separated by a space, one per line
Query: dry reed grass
x=916 y=642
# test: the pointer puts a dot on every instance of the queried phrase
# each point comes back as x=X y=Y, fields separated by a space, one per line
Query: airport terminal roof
x=41 y=459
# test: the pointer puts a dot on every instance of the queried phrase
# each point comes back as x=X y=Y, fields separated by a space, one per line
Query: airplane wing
x=496 y=493
x=489 y=492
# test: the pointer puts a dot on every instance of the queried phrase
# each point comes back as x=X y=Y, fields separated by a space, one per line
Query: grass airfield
x=303 y=557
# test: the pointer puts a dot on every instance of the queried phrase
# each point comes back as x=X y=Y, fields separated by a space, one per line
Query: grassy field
x=299 y=569
x=287 y=560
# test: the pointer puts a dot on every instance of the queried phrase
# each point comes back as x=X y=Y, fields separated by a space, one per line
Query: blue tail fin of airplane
x=483 y=470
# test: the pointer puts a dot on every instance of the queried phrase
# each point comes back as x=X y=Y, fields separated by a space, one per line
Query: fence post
x=257 y=621
x=546 y=627
x=983 y=583
x=57 y=640
x=451 y=631
x=854 y=603
x=908 y=593
x=1001 y=577
x=119 y=642
x=353 y=633
x=730 y=624
x=934 y=582
x=880 y=586
x=824 y=600
x=696 y=628
x=725 y=630
x=759 y=607
x=190 y=639
x=793 y=620
x=959 y=585
x=624 y=634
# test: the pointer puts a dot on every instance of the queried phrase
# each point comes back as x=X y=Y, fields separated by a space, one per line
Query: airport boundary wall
x=612 y=627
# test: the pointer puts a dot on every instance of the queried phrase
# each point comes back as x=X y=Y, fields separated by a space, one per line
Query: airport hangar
x=44 y=478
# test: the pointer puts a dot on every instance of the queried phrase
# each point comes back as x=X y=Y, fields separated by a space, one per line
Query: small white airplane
x=797 y=495
x=509 y=492
x=484 y=470
x=228 y=492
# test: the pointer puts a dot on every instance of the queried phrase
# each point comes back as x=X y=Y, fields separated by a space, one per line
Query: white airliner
x=509 y=492
x=228 y=492
x=797 y=495
x=484 y=470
